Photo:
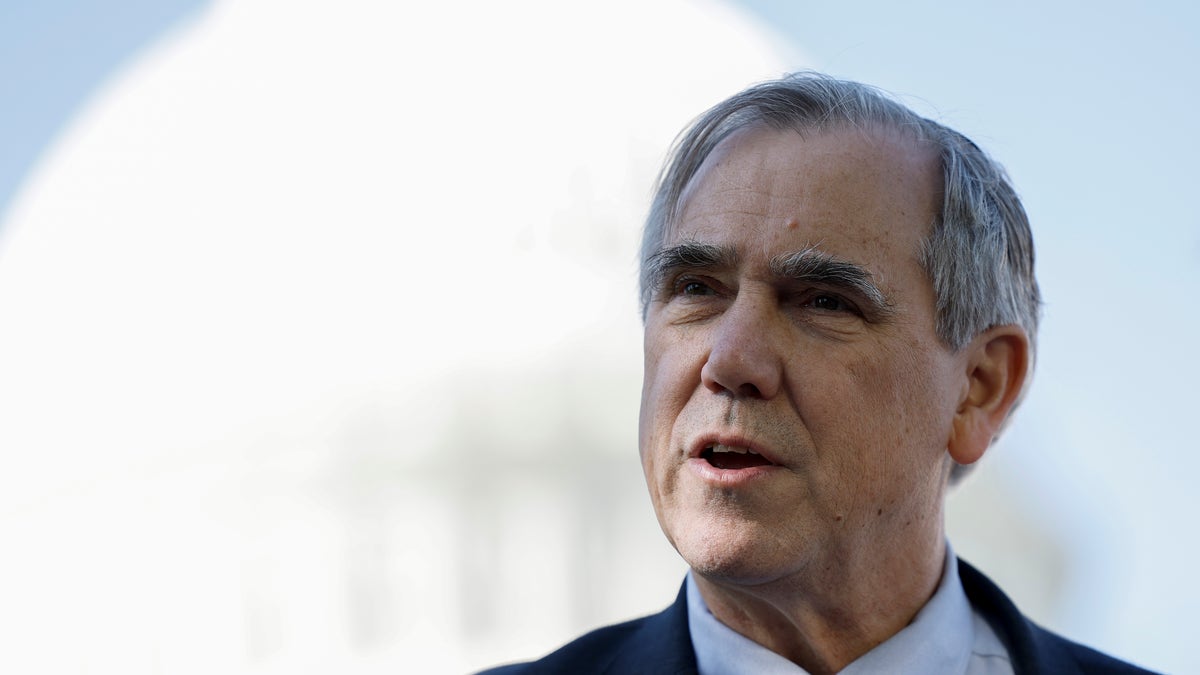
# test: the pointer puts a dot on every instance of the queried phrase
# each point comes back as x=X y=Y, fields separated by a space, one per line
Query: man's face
x=791 y=318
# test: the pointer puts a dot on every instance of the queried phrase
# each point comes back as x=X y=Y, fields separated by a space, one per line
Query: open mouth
x=731 y=457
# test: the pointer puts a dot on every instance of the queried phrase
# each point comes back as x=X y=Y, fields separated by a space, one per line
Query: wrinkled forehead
x=836 y=167
x=905 y=153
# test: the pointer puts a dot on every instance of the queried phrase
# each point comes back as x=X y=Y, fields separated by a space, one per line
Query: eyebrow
x=810 y=265
x=687 y=255
x=813 y=265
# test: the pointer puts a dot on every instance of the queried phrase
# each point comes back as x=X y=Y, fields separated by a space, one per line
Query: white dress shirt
x=946 y=636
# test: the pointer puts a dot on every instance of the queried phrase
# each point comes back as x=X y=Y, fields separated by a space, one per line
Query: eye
x=693 y=287
x=829 y=303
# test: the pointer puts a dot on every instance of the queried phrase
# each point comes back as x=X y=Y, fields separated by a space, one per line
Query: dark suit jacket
x=661 y=644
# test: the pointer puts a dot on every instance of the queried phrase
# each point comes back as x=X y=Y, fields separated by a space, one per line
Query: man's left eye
x=694 y=288
x=831 y=304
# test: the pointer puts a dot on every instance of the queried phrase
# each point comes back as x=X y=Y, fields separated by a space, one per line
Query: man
x=840 y=312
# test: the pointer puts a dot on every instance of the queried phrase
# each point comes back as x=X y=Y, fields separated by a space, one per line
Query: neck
x=835 y=610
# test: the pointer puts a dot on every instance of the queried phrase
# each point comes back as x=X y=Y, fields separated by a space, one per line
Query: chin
x=739 y=553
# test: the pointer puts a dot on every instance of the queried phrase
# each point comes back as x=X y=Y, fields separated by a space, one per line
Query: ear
x=997 y=365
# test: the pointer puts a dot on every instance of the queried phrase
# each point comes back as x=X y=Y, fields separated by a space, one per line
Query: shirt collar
x=939 y=639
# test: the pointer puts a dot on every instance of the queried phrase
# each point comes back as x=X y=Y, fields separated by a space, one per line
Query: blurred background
x=319 y=347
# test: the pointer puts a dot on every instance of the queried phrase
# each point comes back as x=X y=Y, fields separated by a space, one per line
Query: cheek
x=671 y=374
x=655 y=425
x=649 y=410
x=906 y=402
x=654 y=420
x=908 y=470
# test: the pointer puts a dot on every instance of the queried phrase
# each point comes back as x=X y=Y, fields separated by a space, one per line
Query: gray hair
x=979 y=255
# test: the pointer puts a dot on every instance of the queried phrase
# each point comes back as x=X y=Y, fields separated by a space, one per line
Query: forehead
x=870 y=196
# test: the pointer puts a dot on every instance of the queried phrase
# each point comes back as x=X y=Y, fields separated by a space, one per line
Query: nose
x=744 y=359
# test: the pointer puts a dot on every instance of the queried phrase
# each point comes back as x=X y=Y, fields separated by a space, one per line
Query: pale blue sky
x=1092 y=108
x=53 y=55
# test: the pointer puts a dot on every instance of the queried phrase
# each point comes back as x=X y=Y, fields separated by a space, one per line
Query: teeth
x=731 y=448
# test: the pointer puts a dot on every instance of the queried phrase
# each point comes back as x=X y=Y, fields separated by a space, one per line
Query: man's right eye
x=692 y=287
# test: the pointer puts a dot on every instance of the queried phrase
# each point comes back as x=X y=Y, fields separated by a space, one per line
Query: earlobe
x=997 y=366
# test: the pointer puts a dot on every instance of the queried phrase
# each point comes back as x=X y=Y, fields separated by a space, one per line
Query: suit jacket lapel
x=662 y=644
x=1030 y=649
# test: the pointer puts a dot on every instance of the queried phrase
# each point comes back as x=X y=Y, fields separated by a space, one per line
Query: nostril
x=749 y=390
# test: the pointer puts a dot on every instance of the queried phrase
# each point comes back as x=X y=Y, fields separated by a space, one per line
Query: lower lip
x=730 y=477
